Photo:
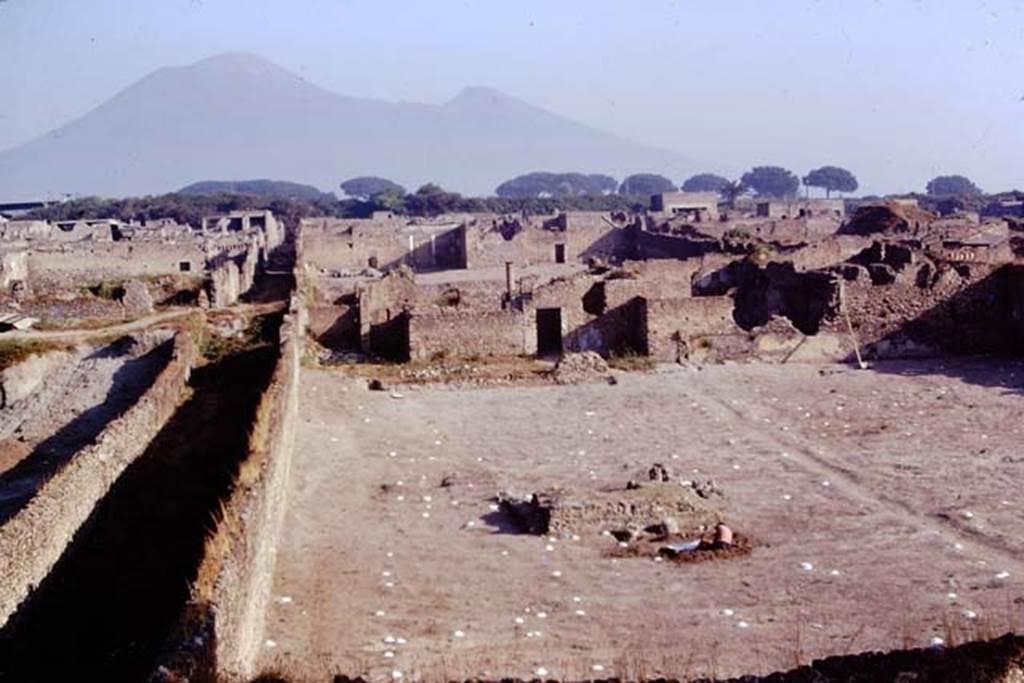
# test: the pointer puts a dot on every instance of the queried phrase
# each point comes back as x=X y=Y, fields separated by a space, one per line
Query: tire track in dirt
x=845 y=482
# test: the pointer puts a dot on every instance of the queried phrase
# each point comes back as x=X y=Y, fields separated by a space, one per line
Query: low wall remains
x=220 y=632
x=479 y=333
x=33 y=540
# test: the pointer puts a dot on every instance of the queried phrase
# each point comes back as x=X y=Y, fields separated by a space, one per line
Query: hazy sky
x=897 y=91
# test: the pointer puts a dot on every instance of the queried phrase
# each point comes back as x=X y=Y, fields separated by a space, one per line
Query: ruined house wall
x=826 y=252
x=467 y=333
x=233 y=274
x=13 y=268
x=671 y=322
x=32 y=541
x=355 y=244
x=241 y=594
x=221 y=632
x=650 y=245
x=930 y=307
x=592 y=237
x=55 y=267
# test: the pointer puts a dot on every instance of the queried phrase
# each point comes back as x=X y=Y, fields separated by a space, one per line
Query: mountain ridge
x=237 y=115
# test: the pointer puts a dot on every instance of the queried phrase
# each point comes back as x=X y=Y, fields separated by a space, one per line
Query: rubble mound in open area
x=573 y=368
x=567 y=511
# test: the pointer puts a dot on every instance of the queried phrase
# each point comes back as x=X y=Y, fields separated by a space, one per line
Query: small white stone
x=540 y=671
x=835 y=572
x=520 y=620
x=459 y=634
x=970 y=614
x=727 y=612
x=577 y=598
x=1003 y=575
x=379 y=613
x=951 y=596
x=937 y=642
x=396 y=674
x=542 y=615
x=388 y=654
x=807 y=566
x=558 y=574
x=426 y=515
x=389 y=639
x=597 y=667
x=580 y=613
x=270 y=643
x=742 y=624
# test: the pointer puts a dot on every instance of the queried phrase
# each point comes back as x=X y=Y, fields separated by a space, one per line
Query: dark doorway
x=559 y=253
x=549 y=331
x=390 y=339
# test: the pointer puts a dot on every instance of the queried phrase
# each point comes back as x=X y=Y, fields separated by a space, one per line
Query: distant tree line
x=532 y=193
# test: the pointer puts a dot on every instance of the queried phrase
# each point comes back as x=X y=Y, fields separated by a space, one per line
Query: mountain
x=239 y=116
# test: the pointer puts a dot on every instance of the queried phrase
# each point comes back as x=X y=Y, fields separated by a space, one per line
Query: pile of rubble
x=573 y=368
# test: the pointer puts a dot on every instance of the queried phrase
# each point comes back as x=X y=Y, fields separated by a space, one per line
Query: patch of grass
x=112 y=290
x=630 y=361
x=260 y=331
x=13 y=351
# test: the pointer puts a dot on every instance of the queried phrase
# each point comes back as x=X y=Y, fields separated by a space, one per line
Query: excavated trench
x=105 y=610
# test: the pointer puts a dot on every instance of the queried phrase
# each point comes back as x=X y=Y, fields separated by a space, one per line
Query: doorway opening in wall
x=549 y=331
x=185 y=266
x=559 y=253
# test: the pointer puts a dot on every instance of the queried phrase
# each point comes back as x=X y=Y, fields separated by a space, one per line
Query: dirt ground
x=886 y=503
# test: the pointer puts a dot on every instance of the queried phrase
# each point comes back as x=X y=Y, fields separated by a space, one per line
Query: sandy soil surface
x=886 y=504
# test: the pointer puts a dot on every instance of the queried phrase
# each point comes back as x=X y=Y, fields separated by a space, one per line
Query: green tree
x=365 y=187
x=832 y=179
x=541 y=184
x=771 y=181
x=732 y=191
x=952 y=186
x=646 y=184
x=704 y=182
x=432 y=200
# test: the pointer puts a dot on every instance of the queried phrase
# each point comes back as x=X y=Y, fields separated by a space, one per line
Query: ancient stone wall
x=232 y=274
x=469 y=333
x=54 y=267
x=34 y=539
x=674 y=326
x=222 y=629
x=357 y=244
x=924 y=307
x=584 y=236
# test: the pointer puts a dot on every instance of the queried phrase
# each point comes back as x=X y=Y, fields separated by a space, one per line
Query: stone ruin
x=573 y=368
x=659 y=506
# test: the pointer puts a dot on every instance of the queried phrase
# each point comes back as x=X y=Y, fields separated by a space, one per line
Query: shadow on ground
x=105 y=610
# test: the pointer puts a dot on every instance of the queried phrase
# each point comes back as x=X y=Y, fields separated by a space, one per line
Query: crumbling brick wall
x=33 y=540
